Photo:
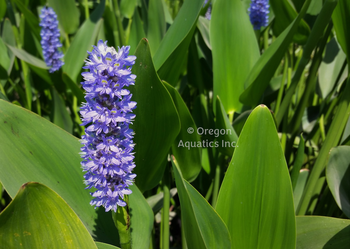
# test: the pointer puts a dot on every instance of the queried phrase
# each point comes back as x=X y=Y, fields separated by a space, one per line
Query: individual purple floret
x=50 y=42
x=258 y=13
x=107 y=143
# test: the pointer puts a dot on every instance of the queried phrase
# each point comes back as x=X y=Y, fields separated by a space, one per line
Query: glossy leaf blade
x=39 y=218
x=338 y=175
x=34 y=149
x=67 y=14
x=157 y=123
x=189 y=157
x=235 y=51
x=156 y=24
x=83 y=41
x=315 y=232
x=255 y=199
x=30 y=59
x=340 y=19
x=196 y=215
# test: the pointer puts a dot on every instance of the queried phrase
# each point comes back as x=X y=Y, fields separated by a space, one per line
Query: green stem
x=87 y=14
x=216 y=185
x=266 y=39
x=67 y=41
x=332 y=139
x=280 y=92
x=316 y=32
x=165 y=210
x=122 y=221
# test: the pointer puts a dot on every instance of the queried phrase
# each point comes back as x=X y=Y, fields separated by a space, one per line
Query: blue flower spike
x=50 y=41
x=107 y=150
x=258 y=13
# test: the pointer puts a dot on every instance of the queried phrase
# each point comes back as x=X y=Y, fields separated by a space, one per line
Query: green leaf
x=231 y=30
x=157 y=122
x=156 y=201
x=264 y=69
x=284 y=16
x=156 y=24
x=340 y=17
x=298 y=162
x=300 y=186
x=338 y=175
x=228 y=137
x=315 y=232
x=196 y=215
x=136 y=32
x=127 y=7
x=189 y=157
x=203 y=26
x=39 y=218
x=30 y=59
x=2 y=8
x=61 y=116
x=255 y=197
x=77 y=91
x=142 y=219
x=67 y=14
x=30 y=18
x=5 y=61
x=83 y=41
x=171 y=54
x=34 y=149
x=105 y=246
x=330 y=68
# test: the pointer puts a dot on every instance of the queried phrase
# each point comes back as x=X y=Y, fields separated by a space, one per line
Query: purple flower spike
x=107 y=143
x=50 y=42
x=258 y=13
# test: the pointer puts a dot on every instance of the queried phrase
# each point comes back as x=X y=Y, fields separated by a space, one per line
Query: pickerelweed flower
x=208 y=13
x=258 y=13
x=50 y=42
x=107 y=143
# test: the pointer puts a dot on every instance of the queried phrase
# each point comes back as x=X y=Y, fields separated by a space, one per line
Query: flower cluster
x=208 y=13
x=50 y=39
x=107 y=143
x=258 y=13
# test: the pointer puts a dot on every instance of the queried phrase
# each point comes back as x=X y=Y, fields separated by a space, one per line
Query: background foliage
x=276 y=176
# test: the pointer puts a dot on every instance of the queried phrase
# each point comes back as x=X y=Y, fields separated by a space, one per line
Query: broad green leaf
x=300 y=186
x=187 y=145
x=39 y=218
x=284 y=15
x=127 y=7
x=178 y=31
x=136 y=32
x=9 y=38
x=156 y=24
x=340 y=17
x=314 y=232
x=67 y=14
x=338 y=175
x=203 y=226
x=255 y=197
x=83 y=41
x=30 y=18
x=142 y=219
x=60 y=115
x=235 y=51
x=30 y=59
x=34 y=149
x=330 y=68
x=264 y=69
x=156 y=124
x=105 y=246
x=228 y=137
